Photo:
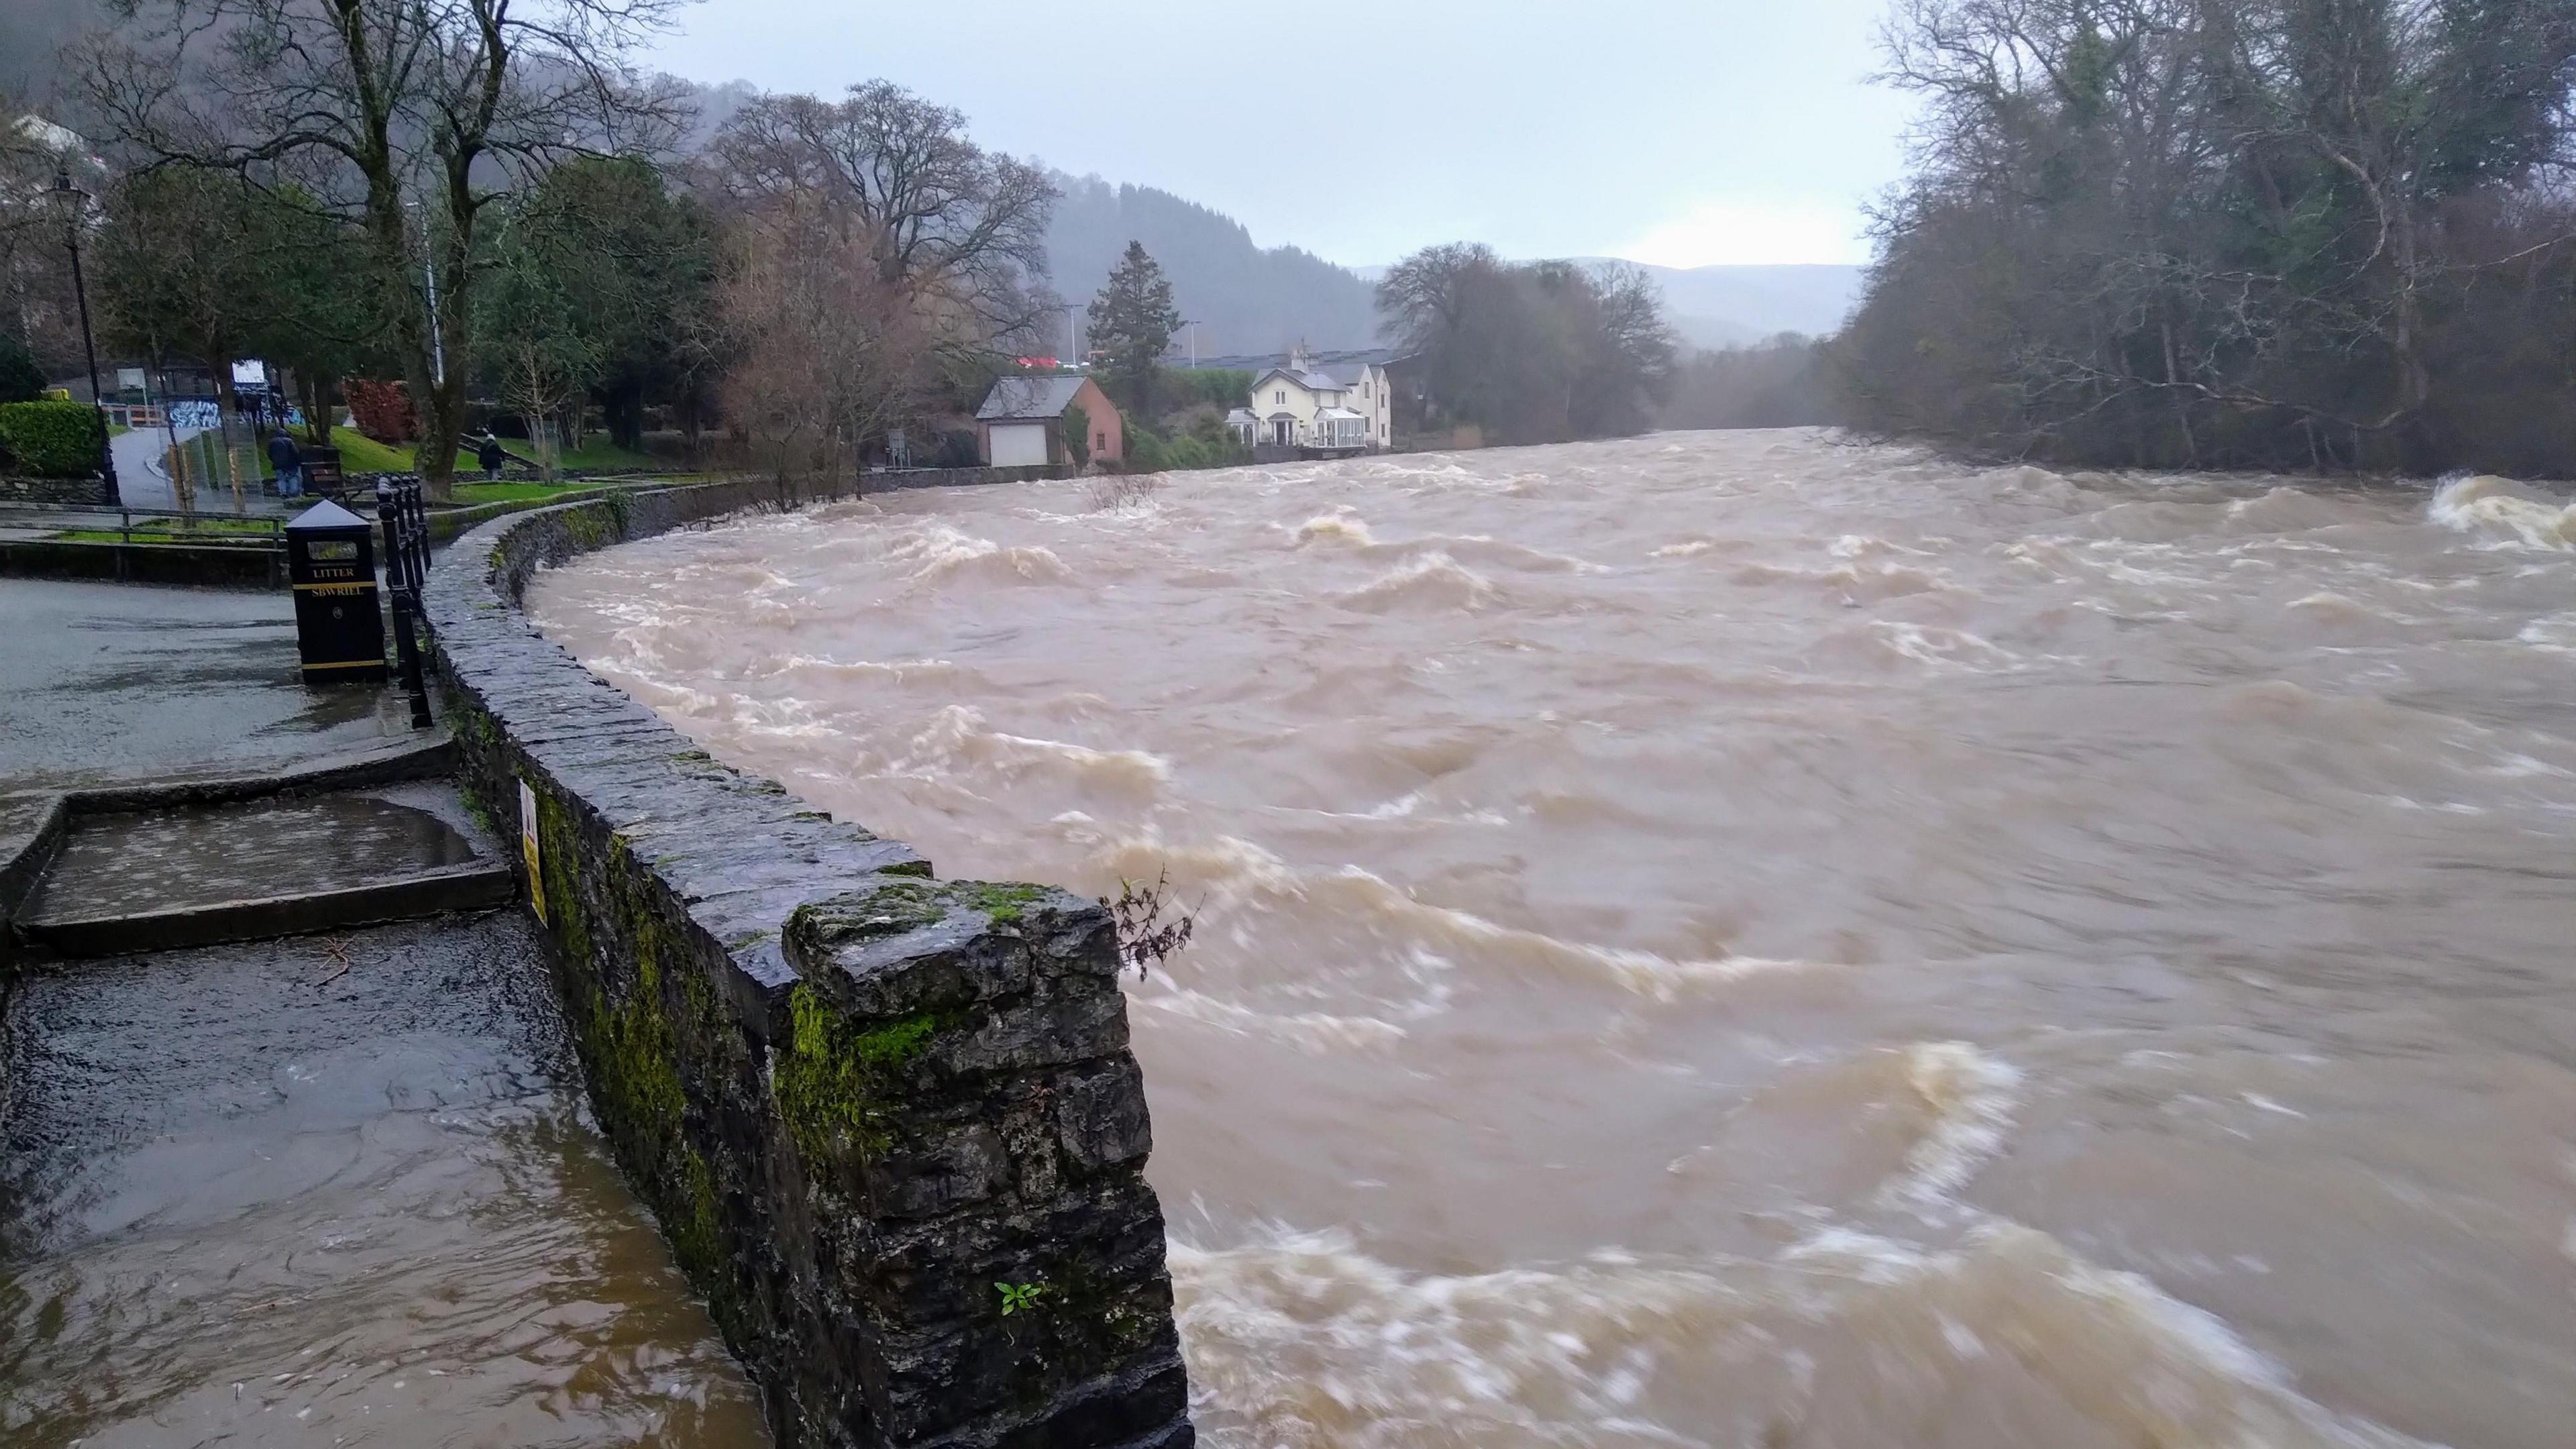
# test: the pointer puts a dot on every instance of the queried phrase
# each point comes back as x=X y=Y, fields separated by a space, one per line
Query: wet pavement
x=174 y=859
x=335 y=1189
x=332 y=1190
x=118 y=681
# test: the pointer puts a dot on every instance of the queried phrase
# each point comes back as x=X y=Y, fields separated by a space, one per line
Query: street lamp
x=71 y=201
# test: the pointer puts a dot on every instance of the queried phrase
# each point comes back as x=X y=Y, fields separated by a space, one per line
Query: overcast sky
x=1682 y=132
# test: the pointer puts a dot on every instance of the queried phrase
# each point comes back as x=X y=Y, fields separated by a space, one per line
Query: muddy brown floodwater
x=1736 y=939
x=332 y=1191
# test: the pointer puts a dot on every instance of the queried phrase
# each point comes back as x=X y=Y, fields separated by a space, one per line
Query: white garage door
x=1019 y=445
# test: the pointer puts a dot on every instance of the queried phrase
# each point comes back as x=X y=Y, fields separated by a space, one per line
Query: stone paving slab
x=101 y=682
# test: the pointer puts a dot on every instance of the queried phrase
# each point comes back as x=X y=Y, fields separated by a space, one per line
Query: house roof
x=1345 y=374
x=1038 y=398
x=1311 y=379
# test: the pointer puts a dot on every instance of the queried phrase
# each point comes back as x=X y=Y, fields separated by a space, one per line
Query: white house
x=1329 y=407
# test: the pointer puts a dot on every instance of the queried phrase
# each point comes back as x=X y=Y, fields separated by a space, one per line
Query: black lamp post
x=71 y=201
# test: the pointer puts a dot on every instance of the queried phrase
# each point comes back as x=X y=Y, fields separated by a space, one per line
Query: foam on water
x=1303 y=1339
x=1970 y=1098
x=2502 y=511
x=1430 y=581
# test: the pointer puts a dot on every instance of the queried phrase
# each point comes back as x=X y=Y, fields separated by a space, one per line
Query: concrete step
x=460 y=888
x=191 y=874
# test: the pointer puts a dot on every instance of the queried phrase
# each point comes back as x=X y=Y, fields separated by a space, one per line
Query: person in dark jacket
x=284 y=456
x=491 y=457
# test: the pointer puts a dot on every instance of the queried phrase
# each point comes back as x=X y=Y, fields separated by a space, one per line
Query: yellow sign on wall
x=528 y=849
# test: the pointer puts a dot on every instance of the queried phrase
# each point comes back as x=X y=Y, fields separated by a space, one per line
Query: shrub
x=1149 y=451
x=381 y=410
x=51 y=439
x=1178 y=388
x=1077 y=435
x=21 y=380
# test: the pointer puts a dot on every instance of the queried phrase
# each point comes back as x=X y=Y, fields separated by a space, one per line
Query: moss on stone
x=1002 y=903
x=592 y=526
x=831 y=1078
x=895 y=908
x=557 y=855
x=475 y=809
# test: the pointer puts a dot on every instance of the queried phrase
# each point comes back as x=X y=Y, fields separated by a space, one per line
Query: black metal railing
x=406 y=523
x=157 y=525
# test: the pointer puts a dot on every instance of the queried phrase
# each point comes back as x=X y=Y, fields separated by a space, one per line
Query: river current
x=1748 y=939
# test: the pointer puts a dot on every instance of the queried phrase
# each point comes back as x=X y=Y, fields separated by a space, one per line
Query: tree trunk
x=623 y=406
x=315 y=394
x=227 y=409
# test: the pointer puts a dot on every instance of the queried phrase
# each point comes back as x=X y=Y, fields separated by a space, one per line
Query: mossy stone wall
x=857 y=1098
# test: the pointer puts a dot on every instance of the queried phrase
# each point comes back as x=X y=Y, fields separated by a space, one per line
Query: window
x=1100 y=442
x=1281 y=396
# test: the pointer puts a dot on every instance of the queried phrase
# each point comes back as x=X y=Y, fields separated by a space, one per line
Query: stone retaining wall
x=861 y=1101
x=20 y=488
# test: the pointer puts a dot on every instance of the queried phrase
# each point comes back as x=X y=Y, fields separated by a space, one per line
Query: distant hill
x=1244 y=297
x=1731 y=306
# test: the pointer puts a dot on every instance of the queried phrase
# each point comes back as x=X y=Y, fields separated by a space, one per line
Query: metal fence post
x=401 y=578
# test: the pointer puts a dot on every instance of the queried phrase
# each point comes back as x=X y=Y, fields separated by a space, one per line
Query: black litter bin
x=339 y=627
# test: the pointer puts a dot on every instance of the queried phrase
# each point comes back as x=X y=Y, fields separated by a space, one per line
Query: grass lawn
x=362 y=454
x=596 y=452
x=514 y=492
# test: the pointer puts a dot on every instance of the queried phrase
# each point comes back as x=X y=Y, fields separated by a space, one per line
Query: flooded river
x=1736 y=939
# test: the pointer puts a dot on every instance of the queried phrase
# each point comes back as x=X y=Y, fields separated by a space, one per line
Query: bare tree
x=2230 y=232
x=36 y=305
x=406 y=117
x=955 y=233
x=1532 y=352
x=830 y=352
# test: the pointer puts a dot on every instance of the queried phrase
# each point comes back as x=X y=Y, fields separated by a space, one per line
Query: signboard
x=528 y=848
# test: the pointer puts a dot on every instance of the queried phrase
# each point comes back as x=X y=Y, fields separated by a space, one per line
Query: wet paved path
x=325 y=1191
x=337 y=1189
x=101 y=681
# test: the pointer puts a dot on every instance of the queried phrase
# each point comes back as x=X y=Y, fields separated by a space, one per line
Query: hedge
x=51 y=439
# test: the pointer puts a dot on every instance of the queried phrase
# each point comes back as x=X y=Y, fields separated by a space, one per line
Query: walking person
x=491 y=457
x=289 y=462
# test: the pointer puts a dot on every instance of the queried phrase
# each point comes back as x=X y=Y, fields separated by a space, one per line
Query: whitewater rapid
x=1750 y=939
